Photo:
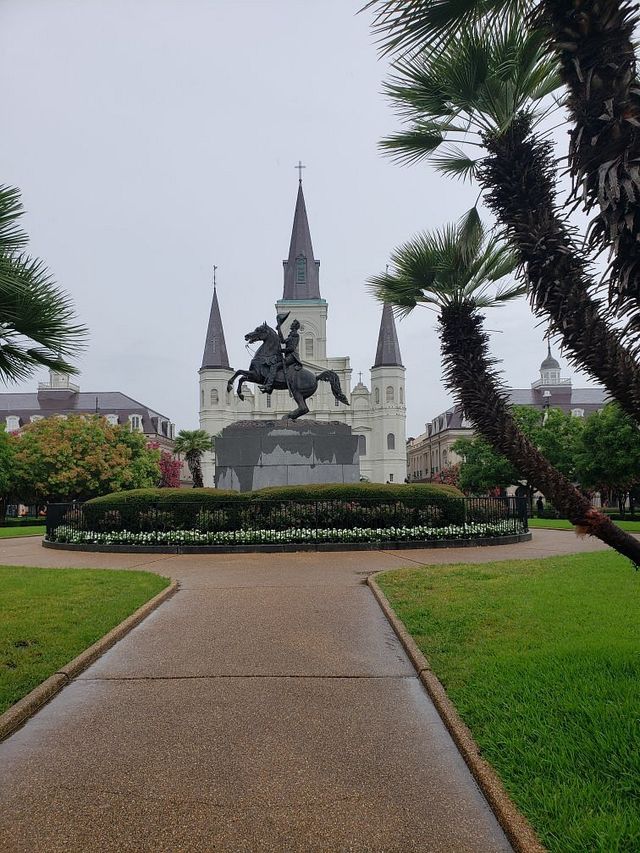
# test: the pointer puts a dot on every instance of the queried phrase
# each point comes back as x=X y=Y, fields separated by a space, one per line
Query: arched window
x=402 y=395
x=308 y=347
x=362 y=445
x=136 y=423
x=577 y=413
x=202 y=398
x=35 y=418
x=389 y=394
x=112 y=420
x=13 y=423
x=214 y=396
x=377 y=396
x=301 y=270
x=268 y=401
x=391 y=441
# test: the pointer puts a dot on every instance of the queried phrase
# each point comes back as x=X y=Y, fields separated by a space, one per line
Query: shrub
x=330 y=505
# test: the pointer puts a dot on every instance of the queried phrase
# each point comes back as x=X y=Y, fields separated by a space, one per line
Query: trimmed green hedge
x=323 y=506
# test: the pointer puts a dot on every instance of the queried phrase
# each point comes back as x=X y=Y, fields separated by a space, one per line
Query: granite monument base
x=254 y=454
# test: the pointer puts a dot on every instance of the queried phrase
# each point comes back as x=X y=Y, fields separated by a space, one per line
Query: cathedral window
x=391 y=441
x=362 y=445
x=308 y=347
x=214 y=397
x=402 y=395
x=202 y=398
x=301 y=270
x=268 y=401
x=377 y=395
x=389 y=394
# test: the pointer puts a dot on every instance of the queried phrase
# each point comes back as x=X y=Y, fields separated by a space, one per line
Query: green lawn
x=542 y=660
x=22 y=530
x=563 y=524
x=48 y=616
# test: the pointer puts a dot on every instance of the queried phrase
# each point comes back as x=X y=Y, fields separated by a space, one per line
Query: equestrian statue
x=276 y=365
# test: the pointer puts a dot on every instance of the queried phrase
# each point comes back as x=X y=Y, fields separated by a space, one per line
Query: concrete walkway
x=267 y=706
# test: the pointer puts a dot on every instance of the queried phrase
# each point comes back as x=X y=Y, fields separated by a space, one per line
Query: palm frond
x=454 y=162
x=454 y=264
x=12 y=237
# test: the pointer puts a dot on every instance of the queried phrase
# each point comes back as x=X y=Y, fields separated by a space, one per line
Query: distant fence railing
x=237 y=521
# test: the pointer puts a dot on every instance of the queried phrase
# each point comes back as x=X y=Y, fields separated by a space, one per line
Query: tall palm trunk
x=469 y=375
x=519 y=178
x=593 y=42
x=195 y=468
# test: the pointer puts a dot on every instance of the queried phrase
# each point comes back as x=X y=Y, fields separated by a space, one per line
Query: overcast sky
x=154 y=138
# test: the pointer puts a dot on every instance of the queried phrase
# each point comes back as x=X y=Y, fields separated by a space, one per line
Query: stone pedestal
x=254 y=454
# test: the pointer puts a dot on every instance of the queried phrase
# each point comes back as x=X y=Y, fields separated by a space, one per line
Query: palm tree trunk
x=195 y=467
x=469 y=375
x=519 y=177
x=592 y=40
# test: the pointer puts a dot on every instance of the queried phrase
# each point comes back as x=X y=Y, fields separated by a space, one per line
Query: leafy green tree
x=61 y=459
x=37 y=321
x=193 y=443
x=482 y=469
x=6 y=463
x=558 y=437
x=608 y=457
x=457 y=271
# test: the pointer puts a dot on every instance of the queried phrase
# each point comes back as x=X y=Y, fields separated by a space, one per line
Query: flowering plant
x=418 y=533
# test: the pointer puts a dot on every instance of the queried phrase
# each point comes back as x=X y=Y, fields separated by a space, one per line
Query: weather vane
x=300 y=167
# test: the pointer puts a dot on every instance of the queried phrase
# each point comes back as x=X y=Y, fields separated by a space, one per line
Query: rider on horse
x=288 y=356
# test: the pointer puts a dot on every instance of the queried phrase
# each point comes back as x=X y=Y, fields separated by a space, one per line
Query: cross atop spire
x=301 y=270
x=300 y=167
x=214 y=277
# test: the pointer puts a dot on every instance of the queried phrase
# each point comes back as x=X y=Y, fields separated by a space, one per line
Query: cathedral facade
x=377 y=414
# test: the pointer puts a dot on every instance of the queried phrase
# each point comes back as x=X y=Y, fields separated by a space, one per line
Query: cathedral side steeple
x=301 y=270
x=388 y=350
x=215 y=347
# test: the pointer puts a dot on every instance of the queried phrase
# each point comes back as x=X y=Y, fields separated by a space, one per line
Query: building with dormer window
x=431 y=452
x=60 y=398
x=376 y=414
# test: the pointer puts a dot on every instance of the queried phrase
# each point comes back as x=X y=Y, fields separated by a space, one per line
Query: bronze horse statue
x=301 y=383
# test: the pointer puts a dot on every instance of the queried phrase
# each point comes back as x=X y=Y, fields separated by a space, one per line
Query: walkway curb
x=517 y=828
x=26 y=707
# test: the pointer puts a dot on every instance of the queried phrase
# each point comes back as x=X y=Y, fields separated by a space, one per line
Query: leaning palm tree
x=193 y=443
x=37 y=321
x=457 y=272
x=473 y=108
x=592 y=41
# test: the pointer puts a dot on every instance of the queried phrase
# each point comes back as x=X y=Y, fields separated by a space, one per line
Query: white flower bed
x=281 y=537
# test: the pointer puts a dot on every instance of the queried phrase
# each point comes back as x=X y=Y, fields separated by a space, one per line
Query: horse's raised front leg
x=244 y=374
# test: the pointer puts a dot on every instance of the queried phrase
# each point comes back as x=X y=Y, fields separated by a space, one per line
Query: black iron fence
x=246 y=522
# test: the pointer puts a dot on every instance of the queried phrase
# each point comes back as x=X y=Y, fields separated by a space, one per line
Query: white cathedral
x=377 y=416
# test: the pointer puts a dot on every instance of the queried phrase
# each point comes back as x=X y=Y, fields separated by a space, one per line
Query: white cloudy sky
x=154 y=138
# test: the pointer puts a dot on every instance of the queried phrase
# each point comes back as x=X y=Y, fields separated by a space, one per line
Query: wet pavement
x=266 y=706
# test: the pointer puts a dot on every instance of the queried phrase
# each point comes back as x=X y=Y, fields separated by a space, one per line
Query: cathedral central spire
x=301 y=270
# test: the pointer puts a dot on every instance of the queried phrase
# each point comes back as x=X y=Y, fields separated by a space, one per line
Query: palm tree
x=193 y=443
x=37 y=321
x=592 y=40
x=487 y=90
x=454 y=271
